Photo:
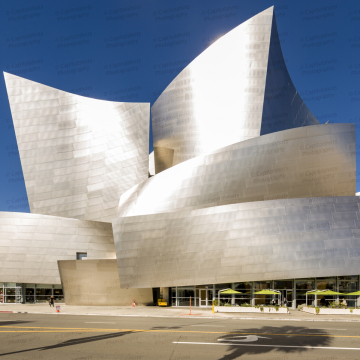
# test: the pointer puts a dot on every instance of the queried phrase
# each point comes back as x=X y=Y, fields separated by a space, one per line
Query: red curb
x=6 y=312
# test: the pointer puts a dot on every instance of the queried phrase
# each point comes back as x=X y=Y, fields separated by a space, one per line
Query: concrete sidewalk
x=155 y=311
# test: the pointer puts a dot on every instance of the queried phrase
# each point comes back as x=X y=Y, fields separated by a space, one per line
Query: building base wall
x=96 y=283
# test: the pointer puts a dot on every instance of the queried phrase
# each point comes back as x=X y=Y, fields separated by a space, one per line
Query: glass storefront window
x=245 y=289
x=262 y=285
x=221 y=286
x=302 y=286
x=173 y=297
x=283 y=284
x=286 y=289
x=43 y=292
x=184 y=294
x=12 y=295
x=348 y=286
x=262 y=299
x=305 y=285
x=29 y=293
x=326 y=284
x=351 y=278
x=58 y=293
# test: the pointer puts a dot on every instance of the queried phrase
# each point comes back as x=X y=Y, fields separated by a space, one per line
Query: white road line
x=273 y=346
x=99 y=322
x=210 y=325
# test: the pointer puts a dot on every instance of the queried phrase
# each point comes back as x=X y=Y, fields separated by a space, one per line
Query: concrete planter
x=329 y=311
x=243 y=309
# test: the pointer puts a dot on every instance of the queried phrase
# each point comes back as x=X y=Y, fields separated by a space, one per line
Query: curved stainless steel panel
x=31 y=244
x=224 y=85
x=151 y=164
x=78 y=154
x=283 y=107
x=236 y=88
x=278 y=239
x=303 y=162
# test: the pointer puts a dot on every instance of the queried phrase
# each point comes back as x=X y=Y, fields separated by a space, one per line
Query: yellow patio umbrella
x=227 y=291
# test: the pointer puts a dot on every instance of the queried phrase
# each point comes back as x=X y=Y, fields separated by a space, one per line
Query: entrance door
x=288 y=295
x=203 y=297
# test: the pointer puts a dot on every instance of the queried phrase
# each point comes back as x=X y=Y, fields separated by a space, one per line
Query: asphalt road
x=40 y=337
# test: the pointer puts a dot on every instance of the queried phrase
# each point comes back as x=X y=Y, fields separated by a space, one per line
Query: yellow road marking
x=166 y=331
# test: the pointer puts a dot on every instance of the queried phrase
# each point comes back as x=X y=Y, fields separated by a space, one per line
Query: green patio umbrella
x=354 y=293
x=227 y=291
x=230 y=291
x=321 y=292
x=324 y=292
x=267 y=292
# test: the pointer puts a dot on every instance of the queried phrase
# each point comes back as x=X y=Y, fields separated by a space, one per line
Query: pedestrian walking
x=51 y=301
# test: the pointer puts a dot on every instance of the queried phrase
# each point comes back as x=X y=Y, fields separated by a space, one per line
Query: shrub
x=317 y=310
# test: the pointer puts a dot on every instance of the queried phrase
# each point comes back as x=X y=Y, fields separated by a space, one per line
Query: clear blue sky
x=131 y=50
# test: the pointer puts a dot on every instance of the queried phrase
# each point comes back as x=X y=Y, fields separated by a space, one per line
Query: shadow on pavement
x=282 y=340
x=72 y=342
x=4 y=323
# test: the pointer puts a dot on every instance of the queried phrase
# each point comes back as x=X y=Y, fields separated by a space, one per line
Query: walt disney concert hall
x=245 y=188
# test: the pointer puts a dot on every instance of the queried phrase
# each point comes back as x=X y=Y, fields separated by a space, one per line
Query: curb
x=186 y=317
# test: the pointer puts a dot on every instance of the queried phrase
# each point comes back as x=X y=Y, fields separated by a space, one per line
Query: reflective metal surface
x=96 y=283
x=304 y=162
x=31 y=244
x=243 y=207
x=283 y=107
x=278 y=239
x=78 y=154
x=151 y=164
x=235 y=90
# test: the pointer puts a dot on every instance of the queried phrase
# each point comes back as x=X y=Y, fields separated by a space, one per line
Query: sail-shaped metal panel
x=78 y=154
x=237 y=89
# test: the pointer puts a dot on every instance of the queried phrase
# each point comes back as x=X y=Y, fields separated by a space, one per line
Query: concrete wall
x=96 y=282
